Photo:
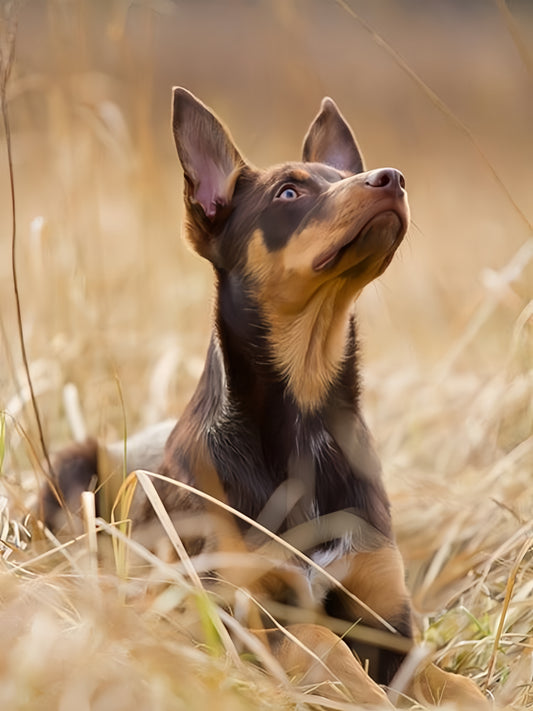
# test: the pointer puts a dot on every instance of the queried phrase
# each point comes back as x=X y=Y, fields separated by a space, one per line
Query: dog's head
x=324 y=215
x=304 y=237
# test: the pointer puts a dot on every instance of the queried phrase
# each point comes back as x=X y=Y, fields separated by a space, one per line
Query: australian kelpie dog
x=275 y=426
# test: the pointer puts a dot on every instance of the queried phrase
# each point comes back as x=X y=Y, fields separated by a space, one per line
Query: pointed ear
x=330 y=140
x=207 y=153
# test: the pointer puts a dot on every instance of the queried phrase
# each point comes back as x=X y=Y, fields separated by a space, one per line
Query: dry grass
x=113 y=302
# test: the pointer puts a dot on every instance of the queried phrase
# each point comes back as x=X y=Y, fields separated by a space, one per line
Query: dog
x=275 y=427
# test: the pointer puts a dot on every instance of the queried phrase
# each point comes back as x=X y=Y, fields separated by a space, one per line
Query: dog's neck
x=303 y=356
x=299 y=364
x=311 y=348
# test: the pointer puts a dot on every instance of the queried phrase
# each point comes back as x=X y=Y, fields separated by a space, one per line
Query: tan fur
x=377 y=578
x=298 y=174
x=319 y=657
x=315 y=656
x=437 y=687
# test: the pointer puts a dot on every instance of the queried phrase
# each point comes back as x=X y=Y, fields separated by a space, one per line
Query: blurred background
x=112 y=299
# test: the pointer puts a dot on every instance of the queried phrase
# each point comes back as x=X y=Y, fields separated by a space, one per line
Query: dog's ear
x=330 y=140
x=207 y=153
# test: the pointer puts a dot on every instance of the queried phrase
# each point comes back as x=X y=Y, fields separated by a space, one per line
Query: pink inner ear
x=337 y=157
x=211 y=184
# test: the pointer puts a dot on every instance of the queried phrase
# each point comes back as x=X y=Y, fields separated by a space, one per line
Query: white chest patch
x=355 y=536
x=327 y=556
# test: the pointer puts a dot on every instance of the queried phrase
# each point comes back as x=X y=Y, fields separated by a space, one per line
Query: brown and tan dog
x=276 y=414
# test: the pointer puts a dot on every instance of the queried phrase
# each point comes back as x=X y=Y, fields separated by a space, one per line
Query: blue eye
x=287 y=192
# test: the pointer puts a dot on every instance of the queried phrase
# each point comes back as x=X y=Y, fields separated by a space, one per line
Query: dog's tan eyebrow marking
x=297 y=175
x=300 y=175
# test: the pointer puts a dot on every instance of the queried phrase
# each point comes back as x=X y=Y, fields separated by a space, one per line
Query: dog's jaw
x=382 y=233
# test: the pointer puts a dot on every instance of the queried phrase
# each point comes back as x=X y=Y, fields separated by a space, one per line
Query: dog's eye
x=288 y=192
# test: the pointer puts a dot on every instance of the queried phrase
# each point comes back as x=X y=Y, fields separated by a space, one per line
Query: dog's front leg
x=376 y=578
x=313 y=656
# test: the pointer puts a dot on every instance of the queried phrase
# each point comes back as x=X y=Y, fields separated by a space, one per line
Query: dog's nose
x=388 y=179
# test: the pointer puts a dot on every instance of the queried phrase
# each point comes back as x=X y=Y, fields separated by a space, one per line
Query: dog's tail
x=99 y=467
x=75 y=471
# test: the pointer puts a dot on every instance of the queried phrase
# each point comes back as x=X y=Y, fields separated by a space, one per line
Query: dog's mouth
x=380 y=235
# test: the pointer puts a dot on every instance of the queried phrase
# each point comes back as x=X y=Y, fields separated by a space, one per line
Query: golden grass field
x=113 y=302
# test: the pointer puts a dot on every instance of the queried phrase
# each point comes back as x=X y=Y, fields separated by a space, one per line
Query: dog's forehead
x=302 y=172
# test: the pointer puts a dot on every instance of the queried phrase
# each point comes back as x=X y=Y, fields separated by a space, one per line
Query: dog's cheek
x=280 y=222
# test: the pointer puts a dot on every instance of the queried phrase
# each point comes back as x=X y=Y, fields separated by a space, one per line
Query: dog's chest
x=295 y=470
